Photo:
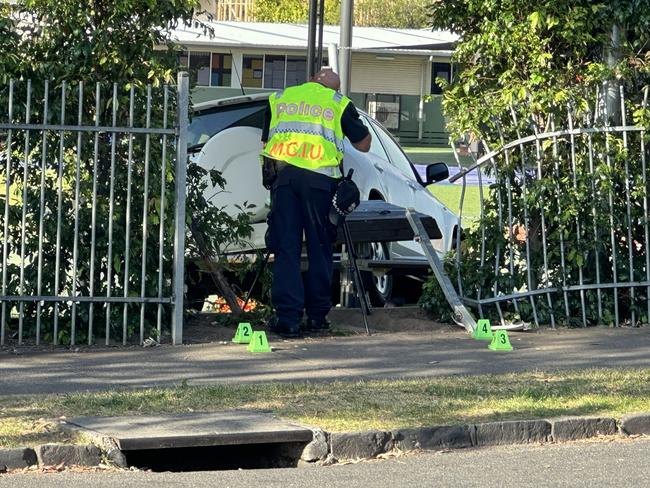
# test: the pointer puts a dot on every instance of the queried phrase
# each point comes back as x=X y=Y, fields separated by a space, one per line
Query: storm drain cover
x=192 y=430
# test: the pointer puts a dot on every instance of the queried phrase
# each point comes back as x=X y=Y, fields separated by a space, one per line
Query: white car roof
x=240 y=99
x=231 y=100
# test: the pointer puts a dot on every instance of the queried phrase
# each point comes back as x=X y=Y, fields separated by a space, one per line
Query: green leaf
x=534 y=20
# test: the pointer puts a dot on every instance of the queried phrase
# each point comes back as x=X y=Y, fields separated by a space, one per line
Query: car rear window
x=207 y=123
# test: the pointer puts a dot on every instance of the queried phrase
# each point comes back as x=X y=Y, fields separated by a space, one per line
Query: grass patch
x=350 y=406
x=450 y=196
x=428 y=155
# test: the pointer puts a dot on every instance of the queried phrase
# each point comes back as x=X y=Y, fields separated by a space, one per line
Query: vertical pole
x=524 y=204
x=57 y=265
x=347 y=10
x=41 y=218
x=23 y=234
x=321 y=22
x=111 y=213
x=5 y=234
x=179 y=233
x=311 y=38
x=542 y=214
x=333 y=57
x=127 y=238
x=161 y=233
x=75 y=244
x=93 y=219
x=556 y=220
x=612 y=220
x=645 y=205
x=574 y=174
x=145 y=216
x=421 y=101
x=628 y=204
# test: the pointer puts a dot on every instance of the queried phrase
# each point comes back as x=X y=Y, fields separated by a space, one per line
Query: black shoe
x=317 y=325
x=283 y=330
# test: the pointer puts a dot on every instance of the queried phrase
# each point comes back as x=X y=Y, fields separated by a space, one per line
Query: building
x=393 y=70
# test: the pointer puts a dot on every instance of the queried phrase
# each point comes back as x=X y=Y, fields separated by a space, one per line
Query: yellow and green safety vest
x=305 y=128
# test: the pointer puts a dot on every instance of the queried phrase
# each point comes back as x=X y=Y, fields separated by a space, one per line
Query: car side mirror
x=437 y=172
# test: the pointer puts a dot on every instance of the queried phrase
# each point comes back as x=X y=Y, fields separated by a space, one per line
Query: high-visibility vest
x=305 y=128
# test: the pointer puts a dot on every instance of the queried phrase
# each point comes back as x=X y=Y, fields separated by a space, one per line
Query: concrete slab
x=192 y=430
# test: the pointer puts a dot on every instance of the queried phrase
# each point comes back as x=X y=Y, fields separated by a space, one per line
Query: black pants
x=301 y=200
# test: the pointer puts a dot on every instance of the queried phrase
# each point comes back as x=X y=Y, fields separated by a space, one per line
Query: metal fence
x=563 y=233
x=92 y=209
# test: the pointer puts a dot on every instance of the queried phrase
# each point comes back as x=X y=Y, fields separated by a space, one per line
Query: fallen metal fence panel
x=577 y=260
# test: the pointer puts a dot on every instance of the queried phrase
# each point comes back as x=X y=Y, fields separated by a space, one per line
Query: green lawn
x=428 y=155
x=450 y=196
x=352 y=406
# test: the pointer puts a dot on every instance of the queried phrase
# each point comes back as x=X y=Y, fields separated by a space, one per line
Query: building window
x=252 y=70
x=296 y=70
x=274 y=71
x=221 y=70
x=200 y=68
x=385 y=109
x=439 y=70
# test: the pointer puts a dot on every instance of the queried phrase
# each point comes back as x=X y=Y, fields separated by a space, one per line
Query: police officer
x=303 y=150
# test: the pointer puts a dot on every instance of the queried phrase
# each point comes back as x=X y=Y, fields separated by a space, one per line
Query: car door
x=426 y=203
x=401 y=184
x=397 y=186
x=369 y=167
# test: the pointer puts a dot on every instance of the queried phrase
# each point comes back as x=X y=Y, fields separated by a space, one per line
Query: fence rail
x=564 y=232
x=93 y=211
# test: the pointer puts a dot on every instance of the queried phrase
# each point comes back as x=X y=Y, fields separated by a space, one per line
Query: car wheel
x=378 y=286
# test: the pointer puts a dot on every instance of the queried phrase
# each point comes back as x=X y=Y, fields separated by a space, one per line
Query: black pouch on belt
x=345 y=200
x=269 y=172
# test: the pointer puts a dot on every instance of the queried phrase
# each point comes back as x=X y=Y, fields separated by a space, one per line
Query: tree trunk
x=216 y=270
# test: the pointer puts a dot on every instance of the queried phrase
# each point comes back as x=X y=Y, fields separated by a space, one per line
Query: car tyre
x=379 y=287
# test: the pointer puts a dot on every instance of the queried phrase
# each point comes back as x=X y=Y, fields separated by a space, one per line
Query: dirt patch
x=215 y=327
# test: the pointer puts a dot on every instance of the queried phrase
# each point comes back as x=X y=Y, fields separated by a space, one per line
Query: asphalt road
x=415 y=354
x=621 y=463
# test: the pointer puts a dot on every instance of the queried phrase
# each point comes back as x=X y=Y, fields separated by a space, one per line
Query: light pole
x=347 y=18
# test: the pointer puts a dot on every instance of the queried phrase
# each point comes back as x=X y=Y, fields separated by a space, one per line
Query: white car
x=225 y=135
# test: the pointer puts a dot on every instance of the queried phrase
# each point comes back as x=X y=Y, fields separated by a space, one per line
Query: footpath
x=442 y=351
x=424 y=350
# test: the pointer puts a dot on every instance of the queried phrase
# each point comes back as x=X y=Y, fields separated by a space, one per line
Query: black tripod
x=353 y=269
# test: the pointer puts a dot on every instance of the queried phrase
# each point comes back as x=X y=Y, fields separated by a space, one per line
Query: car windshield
x=210 y=122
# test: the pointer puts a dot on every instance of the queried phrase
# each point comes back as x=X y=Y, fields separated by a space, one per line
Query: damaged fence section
x=92 y=211
x=563 y=233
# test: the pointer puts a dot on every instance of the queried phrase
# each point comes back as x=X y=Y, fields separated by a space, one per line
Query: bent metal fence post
x=81 y=166
x=563 y=235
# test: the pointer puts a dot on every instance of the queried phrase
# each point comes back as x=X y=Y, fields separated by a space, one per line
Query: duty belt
x=331 y=171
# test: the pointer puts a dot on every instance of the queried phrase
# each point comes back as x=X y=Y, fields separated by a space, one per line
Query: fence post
x=179 y=232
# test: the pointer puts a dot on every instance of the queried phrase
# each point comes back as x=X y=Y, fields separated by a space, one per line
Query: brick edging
x=327 y=448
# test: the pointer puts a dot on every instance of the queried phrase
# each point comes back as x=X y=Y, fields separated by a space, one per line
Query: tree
x=10 y=40
x=540 y=61
x=541 y=52
x=372 y=13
